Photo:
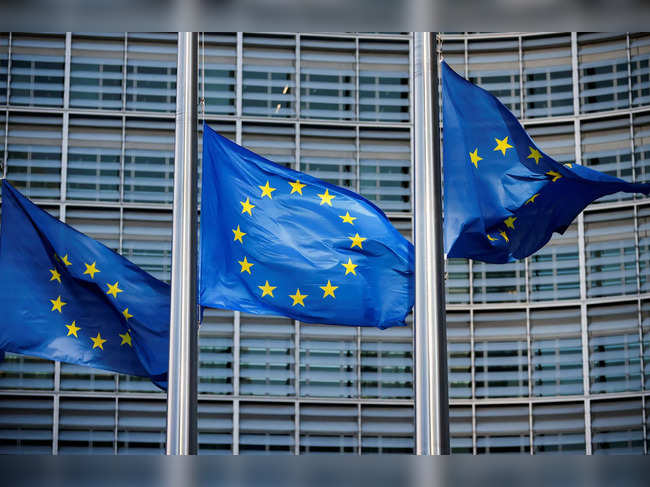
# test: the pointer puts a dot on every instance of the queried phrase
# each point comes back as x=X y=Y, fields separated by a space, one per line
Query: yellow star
x=505 y=237
x=72 y=329
x=510 y=222
x=126 y=314
x=298 y=298
x=349 y=267
x=534 y=154
x=475 y=157
x=532 y=198
x=569 y=165
x=65 y=260
x=554 y=175
x=57 y=304
x=245 y=265
x=297 y=187
x=267 y=190
x=347 y=218
x=55 y=275
x=356 y=241
x=126 y=338
x=502 y=145
x=326 y=197
x=238 y=235
x=247 y=207
x=98 y=341
x=91 y=269
x=329 y=290
x=491 y=239
x=266 y=289
x=113 y=289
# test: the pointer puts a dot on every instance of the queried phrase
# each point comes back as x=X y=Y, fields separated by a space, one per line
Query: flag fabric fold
x=280 y=242
x=504 y=197
x=67 y=297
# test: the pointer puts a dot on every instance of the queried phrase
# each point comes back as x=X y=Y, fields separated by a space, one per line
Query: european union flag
x=504 y=197
x=280 y=242
x=67 y=297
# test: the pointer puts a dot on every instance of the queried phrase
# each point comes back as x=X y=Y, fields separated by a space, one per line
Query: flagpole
x=431 y=394
x=183 y=346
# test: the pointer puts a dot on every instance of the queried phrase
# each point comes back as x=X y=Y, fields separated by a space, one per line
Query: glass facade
x=546 y=355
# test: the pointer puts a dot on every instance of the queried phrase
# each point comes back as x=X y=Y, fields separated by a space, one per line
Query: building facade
x=546 y=355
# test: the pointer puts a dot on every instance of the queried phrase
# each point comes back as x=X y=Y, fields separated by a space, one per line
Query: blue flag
x=280 y=242
x=67 y=297
x=504 y=197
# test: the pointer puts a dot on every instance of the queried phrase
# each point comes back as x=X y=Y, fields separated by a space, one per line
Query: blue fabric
x=45 y=263
x=296 y=240
x=482 y=197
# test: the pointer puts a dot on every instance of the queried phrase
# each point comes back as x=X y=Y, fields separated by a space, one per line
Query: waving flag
x=504 y=197
x=280 y=242
x=67 y=297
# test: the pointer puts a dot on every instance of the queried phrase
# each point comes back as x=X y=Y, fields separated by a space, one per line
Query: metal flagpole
x=181 y=394
x=431 y=395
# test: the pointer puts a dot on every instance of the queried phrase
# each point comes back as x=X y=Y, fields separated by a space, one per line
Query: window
x=614 y=349
x=94 y=158
x=266 y=428
x=457 y=281
x=499 y=282
x=500 y=354
x=151 y=72
x=642 y=147
x=611 y=257
x=502 y=429
x=149 y=160
x=548 y=82
x=327 y=78
x=384 y=80
x=24 y=372
x=559 y=428
x=328 y=360
x=4 y=65
x=267 y=356
x=460 y=429
x=269 y=76
x=37 y=69
x=387 y=362
x=141 y=427
x=645 y=323
x=216 y=352
x=603 y=69
x=328 y=428
x=617 y=427
x=640 y=59
x=556 y=351
x=86 y=426
x=97 y=71
x=34 y=154
x=220 y=67
x=386 y=430
x=26 y=425
x=459 y=362
x=215 y=428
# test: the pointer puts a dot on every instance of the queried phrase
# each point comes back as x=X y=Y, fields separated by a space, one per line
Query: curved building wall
x=545 y=355
x=551 y=354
